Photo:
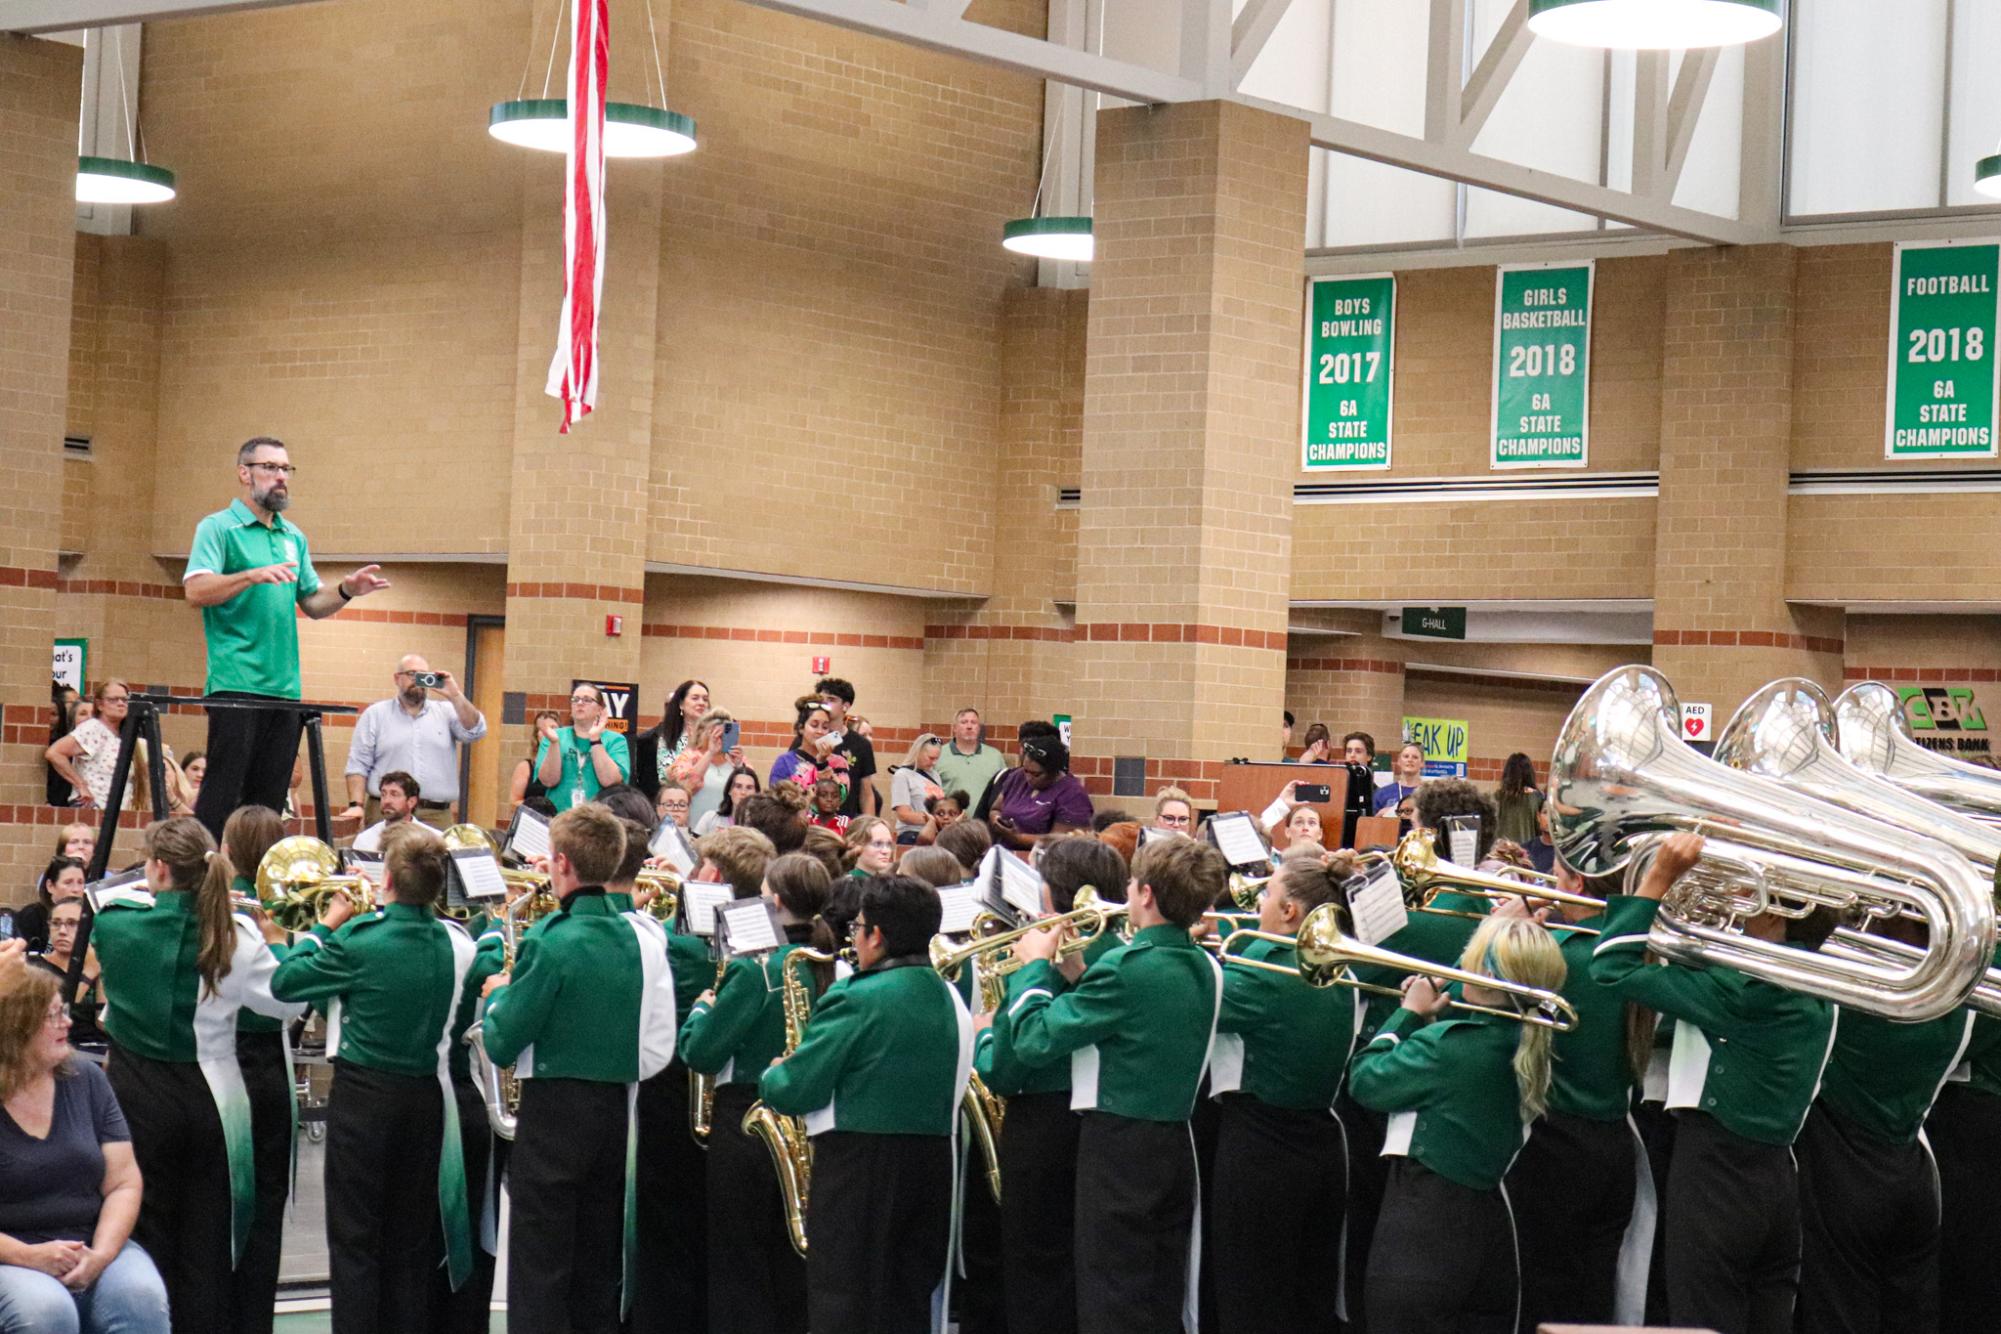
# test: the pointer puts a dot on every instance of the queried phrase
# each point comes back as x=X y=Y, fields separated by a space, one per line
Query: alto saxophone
x=702 y=1088
x=785 y=1136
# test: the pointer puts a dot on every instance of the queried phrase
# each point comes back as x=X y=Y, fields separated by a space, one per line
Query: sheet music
x=480 y=873
x=101 y=892
x=1020 y=886
x=1376 y=908
x=962 y=903
x=529 y=836
x=368 y=865
x=1462 y=833
x=1238 y=839
x=699 y=904
x=671 y=845
x=750 y=926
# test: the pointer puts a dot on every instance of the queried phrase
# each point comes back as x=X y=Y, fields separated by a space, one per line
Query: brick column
x=1191 y=404
x=577 y=508
x=38 y=128
x=1010 y=656
x=1722 y=626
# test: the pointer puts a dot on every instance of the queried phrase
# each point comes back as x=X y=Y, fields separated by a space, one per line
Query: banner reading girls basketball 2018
x=1542 y=365
x=1943 y=371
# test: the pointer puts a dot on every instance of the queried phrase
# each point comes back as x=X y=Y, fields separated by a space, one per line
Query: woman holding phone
x=704 y=768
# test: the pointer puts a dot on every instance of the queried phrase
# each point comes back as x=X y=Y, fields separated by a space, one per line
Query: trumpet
x=298 y=876
x=1326 y=952
x=665 y=886
x=1425 y=875
x=949 y=959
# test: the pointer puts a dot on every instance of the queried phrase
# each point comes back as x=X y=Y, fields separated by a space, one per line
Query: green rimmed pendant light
x=1987 y=176
x=631 y=129
x=1066 y=237
x=117 y=180
x=1654 y=24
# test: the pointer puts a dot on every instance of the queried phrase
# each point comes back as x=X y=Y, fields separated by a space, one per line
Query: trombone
x=1326 y=953
x=1425 y=874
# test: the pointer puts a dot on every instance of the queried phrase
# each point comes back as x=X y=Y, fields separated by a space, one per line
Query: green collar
x=1166 y=934
x=243 y=514
x=589 y=901
x=395 y=908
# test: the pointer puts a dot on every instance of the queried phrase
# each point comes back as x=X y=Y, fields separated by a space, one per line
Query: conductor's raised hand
x=368 y=579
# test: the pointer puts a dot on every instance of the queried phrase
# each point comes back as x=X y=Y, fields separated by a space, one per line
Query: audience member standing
x=251 y=574
x=968 y=764
x=1518 y=801
x=655 y=750
x=416 y=735
x=852 y=745
x=579 y=759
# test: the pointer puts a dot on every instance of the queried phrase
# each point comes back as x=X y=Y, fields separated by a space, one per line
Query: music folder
x=475 y=877
x=961 y=905
x=121 y=884
x=672 y=845
x=1237 y=836
x=748 y=926
x=527 y=835
x=1012 y=886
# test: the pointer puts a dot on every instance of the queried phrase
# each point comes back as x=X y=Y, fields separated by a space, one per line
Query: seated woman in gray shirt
x=69 y=1186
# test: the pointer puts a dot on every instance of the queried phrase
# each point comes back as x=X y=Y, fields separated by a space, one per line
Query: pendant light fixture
x=1654 y=24
x=631 y=129
x=1050 y=238
x=112 y=180
x=1987 y=176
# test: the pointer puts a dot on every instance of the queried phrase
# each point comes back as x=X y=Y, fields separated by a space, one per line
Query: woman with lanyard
x=396 y=1174
x=1405 y=776
x=178 y=967
x=1041 y=799
x=1460 y=1094
x=264 y=1055
x=811 y=756
x=757 y=1282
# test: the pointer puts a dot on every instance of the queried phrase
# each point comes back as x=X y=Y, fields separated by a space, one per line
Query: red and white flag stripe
x=573 y=375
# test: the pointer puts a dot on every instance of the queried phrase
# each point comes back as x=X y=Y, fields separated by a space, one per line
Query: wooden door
x=486 y=789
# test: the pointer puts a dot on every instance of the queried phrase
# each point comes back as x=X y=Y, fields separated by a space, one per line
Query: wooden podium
x=1251 y=787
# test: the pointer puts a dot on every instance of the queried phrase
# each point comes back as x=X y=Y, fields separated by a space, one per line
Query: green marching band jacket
x=889 y=1052
x=1980 y=1065
x=1449 y=1089
x=1277 y=1037
x=1746 y=1052
x=999 y=1064
x=156 y=1006
x=1590 y=1076
x=396 y=982
x=741 y=1030
x=1137 y=1026
x=591 y=998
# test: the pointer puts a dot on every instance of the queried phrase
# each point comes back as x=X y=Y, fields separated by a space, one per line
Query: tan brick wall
x=38 y=127
x=1190 y=410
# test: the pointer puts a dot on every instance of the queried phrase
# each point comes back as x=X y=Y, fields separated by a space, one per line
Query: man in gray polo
x=417 y=735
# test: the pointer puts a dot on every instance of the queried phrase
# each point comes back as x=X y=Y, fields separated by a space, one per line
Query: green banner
x=1350 y=355
x=1542 y=366
x=1435 y=622
x=1942 y=363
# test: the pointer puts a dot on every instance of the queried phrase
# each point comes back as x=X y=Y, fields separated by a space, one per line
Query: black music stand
x=142 y=723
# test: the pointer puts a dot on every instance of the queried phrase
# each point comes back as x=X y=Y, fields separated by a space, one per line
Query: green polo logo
x=1942 y=709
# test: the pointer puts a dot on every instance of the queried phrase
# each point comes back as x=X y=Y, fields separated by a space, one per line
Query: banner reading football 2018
x=1542 y=365
x=1350 y=352
x=1943 y=385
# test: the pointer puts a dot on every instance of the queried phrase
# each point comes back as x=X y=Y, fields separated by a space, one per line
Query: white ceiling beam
x=1444 y=68
x=1650 y=106
x=1206 y=40
x=33 y=17
x=1489 y=78
x=1402 y=150
x=1249 y=33
x=1684 y=111
x=995 y=46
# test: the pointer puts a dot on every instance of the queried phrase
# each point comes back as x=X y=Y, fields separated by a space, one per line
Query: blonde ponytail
x=1516 y=949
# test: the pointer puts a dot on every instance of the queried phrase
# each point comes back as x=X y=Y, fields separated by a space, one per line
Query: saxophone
x=702 y=1088
x=785 y=1136
x=499 y=1089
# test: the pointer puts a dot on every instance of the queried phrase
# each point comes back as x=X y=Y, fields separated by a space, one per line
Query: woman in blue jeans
x=69 y=1185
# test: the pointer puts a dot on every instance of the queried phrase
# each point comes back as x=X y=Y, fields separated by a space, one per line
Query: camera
x=429 y=680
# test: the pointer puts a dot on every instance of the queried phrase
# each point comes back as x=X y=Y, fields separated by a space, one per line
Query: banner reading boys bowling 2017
x=1542 y=365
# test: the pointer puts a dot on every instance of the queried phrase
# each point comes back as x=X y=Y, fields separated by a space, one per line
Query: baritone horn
x=1622 y=779
x=298 y=876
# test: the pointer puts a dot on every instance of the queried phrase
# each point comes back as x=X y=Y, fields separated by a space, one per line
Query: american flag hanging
x=573 y=375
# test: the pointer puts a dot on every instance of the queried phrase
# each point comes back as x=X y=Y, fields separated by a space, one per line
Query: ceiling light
x=1653 y=24
x=630 y=129
x=1987 y=176
x=111 y=180
x=1050 y=238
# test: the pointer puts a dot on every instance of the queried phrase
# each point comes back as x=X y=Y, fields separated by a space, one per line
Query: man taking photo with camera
x=416 y=734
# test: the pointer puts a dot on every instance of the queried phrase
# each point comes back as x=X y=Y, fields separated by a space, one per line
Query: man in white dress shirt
x=414 y=734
